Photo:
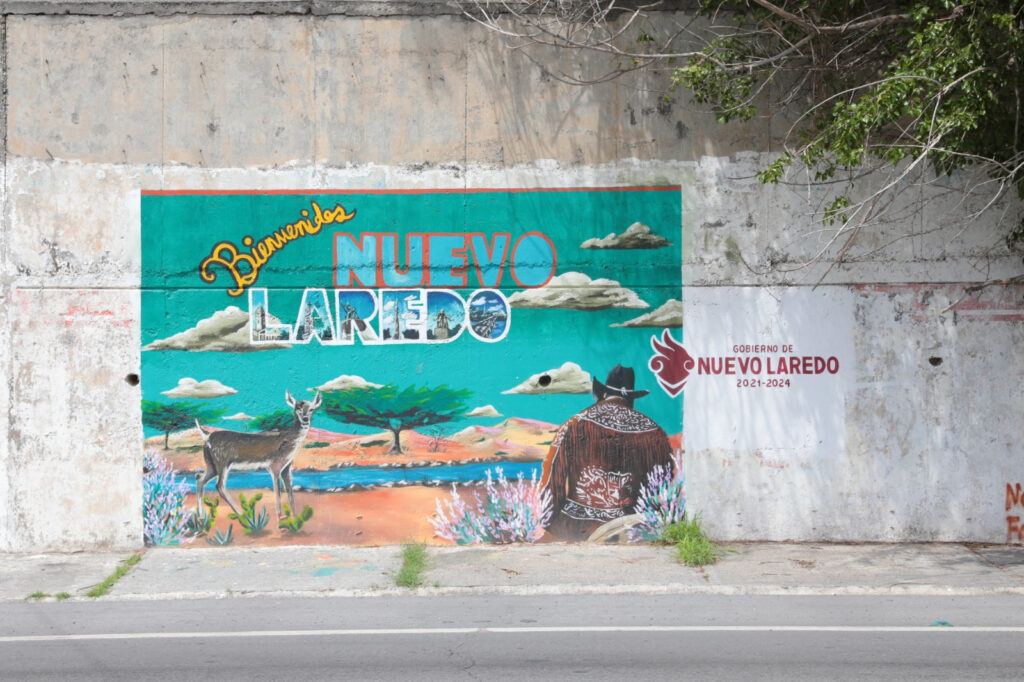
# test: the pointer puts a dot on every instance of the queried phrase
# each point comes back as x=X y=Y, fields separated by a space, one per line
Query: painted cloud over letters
x=226 y=330
x=669 y=314
x=636 y=236
x=577 y=291
x=190 y=388
x=345 y=382
x=569 y=378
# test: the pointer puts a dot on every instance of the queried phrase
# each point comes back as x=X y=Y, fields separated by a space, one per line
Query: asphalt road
x=524 y=638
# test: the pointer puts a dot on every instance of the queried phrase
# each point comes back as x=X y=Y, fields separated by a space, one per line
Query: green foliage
x=893 y=81
x=170 y=417
x=251 y=520
x=38 y=595
x=122 y=569
x=414 y=562
x=295 y=523
x=394 y=409
x=692 y=546
x=730 y=96
x=61 y=596
x=219 y=538
x=273 y=421
x=202 y=521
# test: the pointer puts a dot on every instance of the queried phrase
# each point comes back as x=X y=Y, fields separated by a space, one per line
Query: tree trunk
x=396 y=447
x=167 y=437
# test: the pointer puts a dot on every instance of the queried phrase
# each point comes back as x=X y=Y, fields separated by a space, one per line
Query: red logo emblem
x=670 y=363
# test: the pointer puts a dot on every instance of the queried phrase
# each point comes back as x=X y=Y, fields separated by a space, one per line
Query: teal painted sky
x=179 y=231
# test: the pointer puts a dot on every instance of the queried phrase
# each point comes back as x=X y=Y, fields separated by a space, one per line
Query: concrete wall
x=106 y=99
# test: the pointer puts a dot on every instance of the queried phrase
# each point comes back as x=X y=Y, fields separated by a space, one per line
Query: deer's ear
x=316 y=400
x=289 y=399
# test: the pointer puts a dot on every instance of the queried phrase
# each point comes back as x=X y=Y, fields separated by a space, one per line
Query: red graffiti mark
x=1014 y=498
x=85 y=312
x=1013 y=495
x=770 y=463
x=670 y=363
x=1013 y=528
x=998 y=303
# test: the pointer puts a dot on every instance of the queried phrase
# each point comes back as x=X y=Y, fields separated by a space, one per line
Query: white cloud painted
x=225 y=331
x=484 y=411
x=569 y=378
x=576 y=291
x=345 y=382
x=636 y=236
x=239 y=417
x=190 y=388
x=669 y=314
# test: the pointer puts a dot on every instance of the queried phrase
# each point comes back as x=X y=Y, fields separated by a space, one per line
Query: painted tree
x=922 y=97
x=394 y=409
x=169 y=417
x=272 y=421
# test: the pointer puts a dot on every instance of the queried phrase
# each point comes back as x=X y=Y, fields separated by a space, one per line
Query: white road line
x=501 y=630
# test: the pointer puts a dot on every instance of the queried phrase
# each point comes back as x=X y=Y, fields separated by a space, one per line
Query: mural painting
x=375 y=367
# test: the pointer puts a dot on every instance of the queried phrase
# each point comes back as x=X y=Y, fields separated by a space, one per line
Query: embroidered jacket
x=599 y=459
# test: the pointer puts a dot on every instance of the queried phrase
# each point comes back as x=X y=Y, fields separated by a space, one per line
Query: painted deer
x=270 y=450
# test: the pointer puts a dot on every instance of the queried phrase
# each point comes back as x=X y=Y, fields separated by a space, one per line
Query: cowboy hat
x=619 y=384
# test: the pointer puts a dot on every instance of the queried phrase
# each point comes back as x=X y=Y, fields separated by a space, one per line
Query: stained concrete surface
x=744 y=568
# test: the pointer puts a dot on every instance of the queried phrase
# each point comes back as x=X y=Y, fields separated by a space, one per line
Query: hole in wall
x=934 y=361
x=132 y=379
x=544 y=380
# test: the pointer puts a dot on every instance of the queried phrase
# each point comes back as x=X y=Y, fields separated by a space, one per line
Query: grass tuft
x=61 y=596
x=119 y=572
x=38 y=595
x=414 y=562
x=692 y=546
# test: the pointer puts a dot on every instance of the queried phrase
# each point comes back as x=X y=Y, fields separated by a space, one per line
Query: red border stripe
x=456 y=190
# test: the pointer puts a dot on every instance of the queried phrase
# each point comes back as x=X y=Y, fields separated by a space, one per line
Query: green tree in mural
x=394 y=409
x=168 y=417
x=272 y=421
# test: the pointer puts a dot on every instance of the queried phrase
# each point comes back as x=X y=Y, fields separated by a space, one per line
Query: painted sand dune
x=510 y=440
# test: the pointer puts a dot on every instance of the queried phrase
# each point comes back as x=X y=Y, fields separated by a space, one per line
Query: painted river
x=339 y=479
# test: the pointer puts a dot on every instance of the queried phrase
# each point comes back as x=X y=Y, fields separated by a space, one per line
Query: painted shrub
x=367 y=350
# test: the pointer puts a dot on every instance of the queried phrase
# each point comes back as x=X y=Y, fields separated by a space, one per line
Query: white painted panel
x=737 y=398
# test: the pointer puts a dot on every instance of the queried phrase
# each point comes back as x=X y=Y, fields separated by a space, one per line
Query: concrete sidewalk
x=747 y=568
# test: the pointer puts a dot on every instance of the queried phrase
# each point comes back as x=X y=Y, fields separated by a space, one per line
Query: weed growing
x=122 y=569
x=692 y=546
x=61 y=596
x=414 y=562
x=38 y=595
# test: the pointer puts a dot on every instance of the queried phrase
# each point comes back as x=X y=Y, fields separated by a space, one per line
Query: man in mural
x=600 y=457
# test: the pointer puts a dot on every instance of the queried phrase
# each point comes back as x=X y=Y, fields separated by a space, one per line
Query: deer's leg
x=275 y=474
x=286 y=479
x=222 y=481
x=201 y=482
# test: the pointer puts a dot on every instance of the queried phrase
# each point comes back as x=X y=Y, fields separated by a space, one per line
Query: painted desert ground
x=368 y=515
x=360 y=515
